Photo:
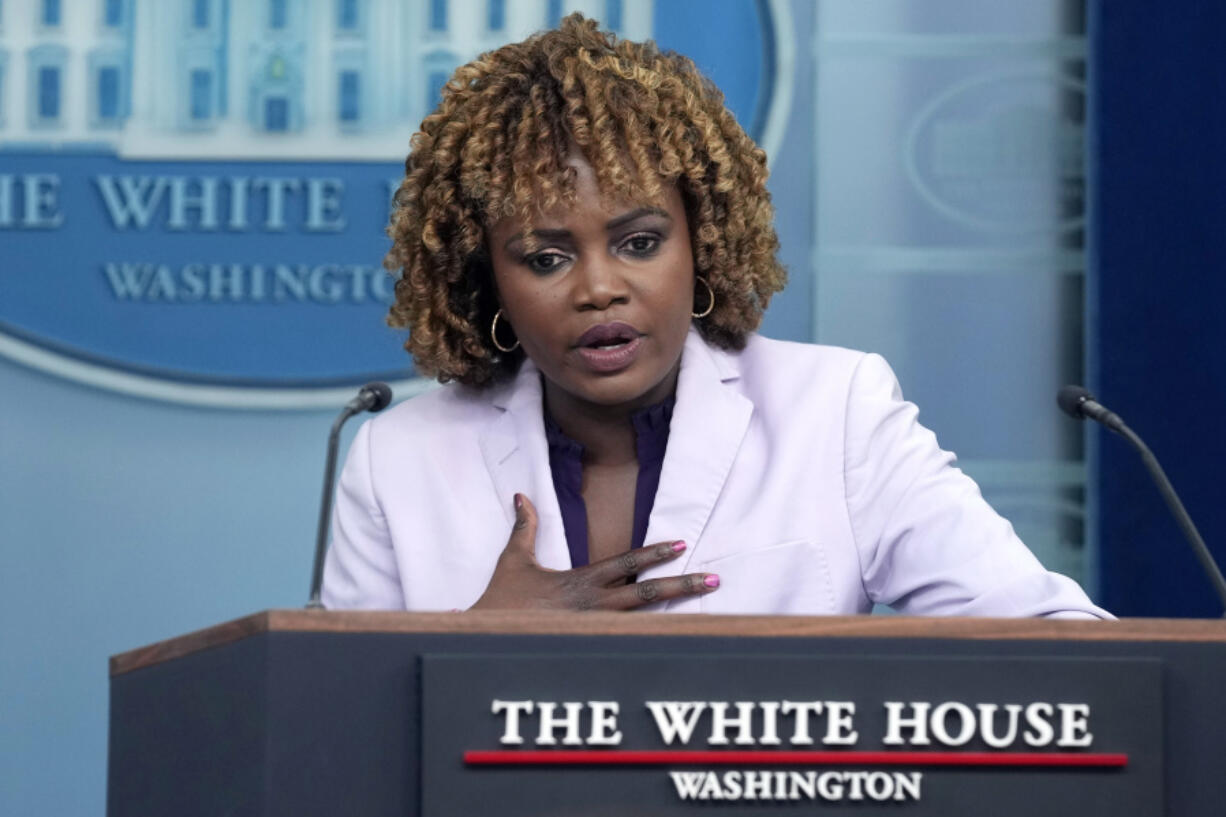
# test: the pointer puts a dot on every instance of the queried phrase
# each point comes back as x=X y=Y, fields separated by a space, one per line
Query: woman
x=585 y=244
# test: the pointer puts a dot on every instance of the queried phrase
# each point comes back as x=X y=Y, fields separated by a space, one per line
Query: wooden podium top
x=647 y=624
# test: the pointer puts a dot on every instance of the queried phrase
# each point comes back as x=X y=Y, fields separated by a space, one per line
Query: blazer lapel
x=517 y=456
x=709 y=422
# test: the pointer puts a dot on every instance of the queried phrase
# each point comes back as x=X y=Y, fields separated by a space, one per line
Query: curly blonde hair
x=497 y=146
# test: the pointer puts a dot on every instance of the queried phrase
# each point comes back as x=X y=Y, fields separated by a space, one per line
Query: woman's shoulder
x=790 y=352
x=782 y=375
x=436 y=411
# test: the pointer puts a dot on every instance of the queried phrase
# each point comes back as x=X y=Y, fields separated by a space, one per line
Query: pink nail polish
x=711 y=580
x=519 y=502
x=678 y=546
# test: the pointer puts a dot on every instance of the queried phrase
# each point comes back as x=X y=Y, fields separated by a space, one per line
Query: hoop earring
x=710 y=303
x=494 y=335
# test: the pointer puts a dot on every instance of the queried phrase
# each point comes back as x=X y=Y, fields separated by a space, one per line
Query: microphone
x=1078 y=403
x=373 y=397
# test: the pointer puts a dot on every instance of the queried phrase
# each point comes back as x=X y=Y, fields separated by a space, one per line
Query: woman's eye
x=545 y=262
x=641 y=244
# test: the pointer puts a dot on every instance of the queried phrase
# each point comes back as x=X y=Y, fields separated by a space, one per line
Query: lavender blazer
x=796 y=472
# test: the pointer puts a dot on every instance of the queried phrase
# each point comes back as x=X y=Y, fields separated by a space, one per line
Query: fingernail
x=711 y=580
x=678 y=546
x=519 y=502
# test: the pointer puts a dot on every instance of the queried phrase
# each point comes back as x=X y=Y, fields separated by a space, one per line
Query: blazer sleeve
x=360 y=571
x=929 y=544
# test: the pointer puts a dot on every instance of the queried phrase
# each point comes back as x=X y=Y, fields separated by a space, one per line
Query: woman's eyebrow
x=633 y=214
x=542 y=234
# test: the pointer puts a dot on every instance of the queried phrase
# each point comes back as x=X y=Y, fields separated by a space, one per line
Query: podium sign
x=669 y=734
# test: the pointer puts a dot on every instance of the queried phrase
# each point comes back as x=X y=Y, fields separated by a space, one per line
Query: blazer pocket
x=787 y=578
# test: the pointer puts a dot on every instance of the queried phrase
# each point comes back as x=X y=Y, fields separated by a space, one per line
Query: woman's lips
x=606 y=334
x=609 y=359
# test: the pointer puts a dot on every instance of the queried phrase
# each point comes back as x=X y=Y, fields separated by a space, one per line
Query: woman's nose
x=598 y=284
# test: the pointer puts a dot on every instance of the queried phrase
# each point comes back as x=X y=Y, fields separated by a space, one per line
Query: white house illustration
x=274 y=79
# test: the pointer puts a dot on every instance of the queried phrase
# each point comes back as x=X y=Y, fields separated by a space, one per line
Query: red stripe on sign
x=665 y=758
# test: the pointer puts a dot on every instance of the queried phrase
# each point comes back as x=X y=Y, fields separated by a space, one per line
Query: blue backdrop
x=1158 y=288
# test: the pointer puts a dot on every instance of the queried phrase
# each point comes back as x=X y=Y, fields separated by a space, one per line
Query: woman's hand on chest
x=520 y=582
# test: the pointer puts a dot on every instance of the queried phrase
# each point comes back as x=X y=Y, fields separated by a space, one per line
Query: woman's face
x=602 y=303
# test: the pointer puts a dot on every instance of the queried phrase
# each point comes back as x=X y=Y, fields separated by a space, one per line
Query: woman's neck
x=605 y=432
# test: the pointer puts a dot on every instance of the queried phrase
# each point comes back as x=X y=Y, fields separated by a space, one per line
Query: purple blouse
x=566 y=463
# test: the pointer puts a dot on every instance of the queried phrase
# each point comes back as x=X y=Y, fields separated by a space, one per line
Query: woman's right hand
x=520 y=582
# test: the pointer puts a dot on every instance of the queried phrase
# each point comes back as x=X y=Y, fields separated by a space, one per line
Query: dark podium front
x=320 y=713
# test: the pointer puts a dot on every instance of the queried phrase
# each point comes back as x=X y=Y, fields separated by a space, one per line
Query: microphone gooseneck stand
x=372 y=397
x=1079 y=403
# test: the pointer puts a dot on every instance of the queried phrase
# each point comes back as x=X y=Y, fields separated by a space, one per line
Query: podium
x=361 y=713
